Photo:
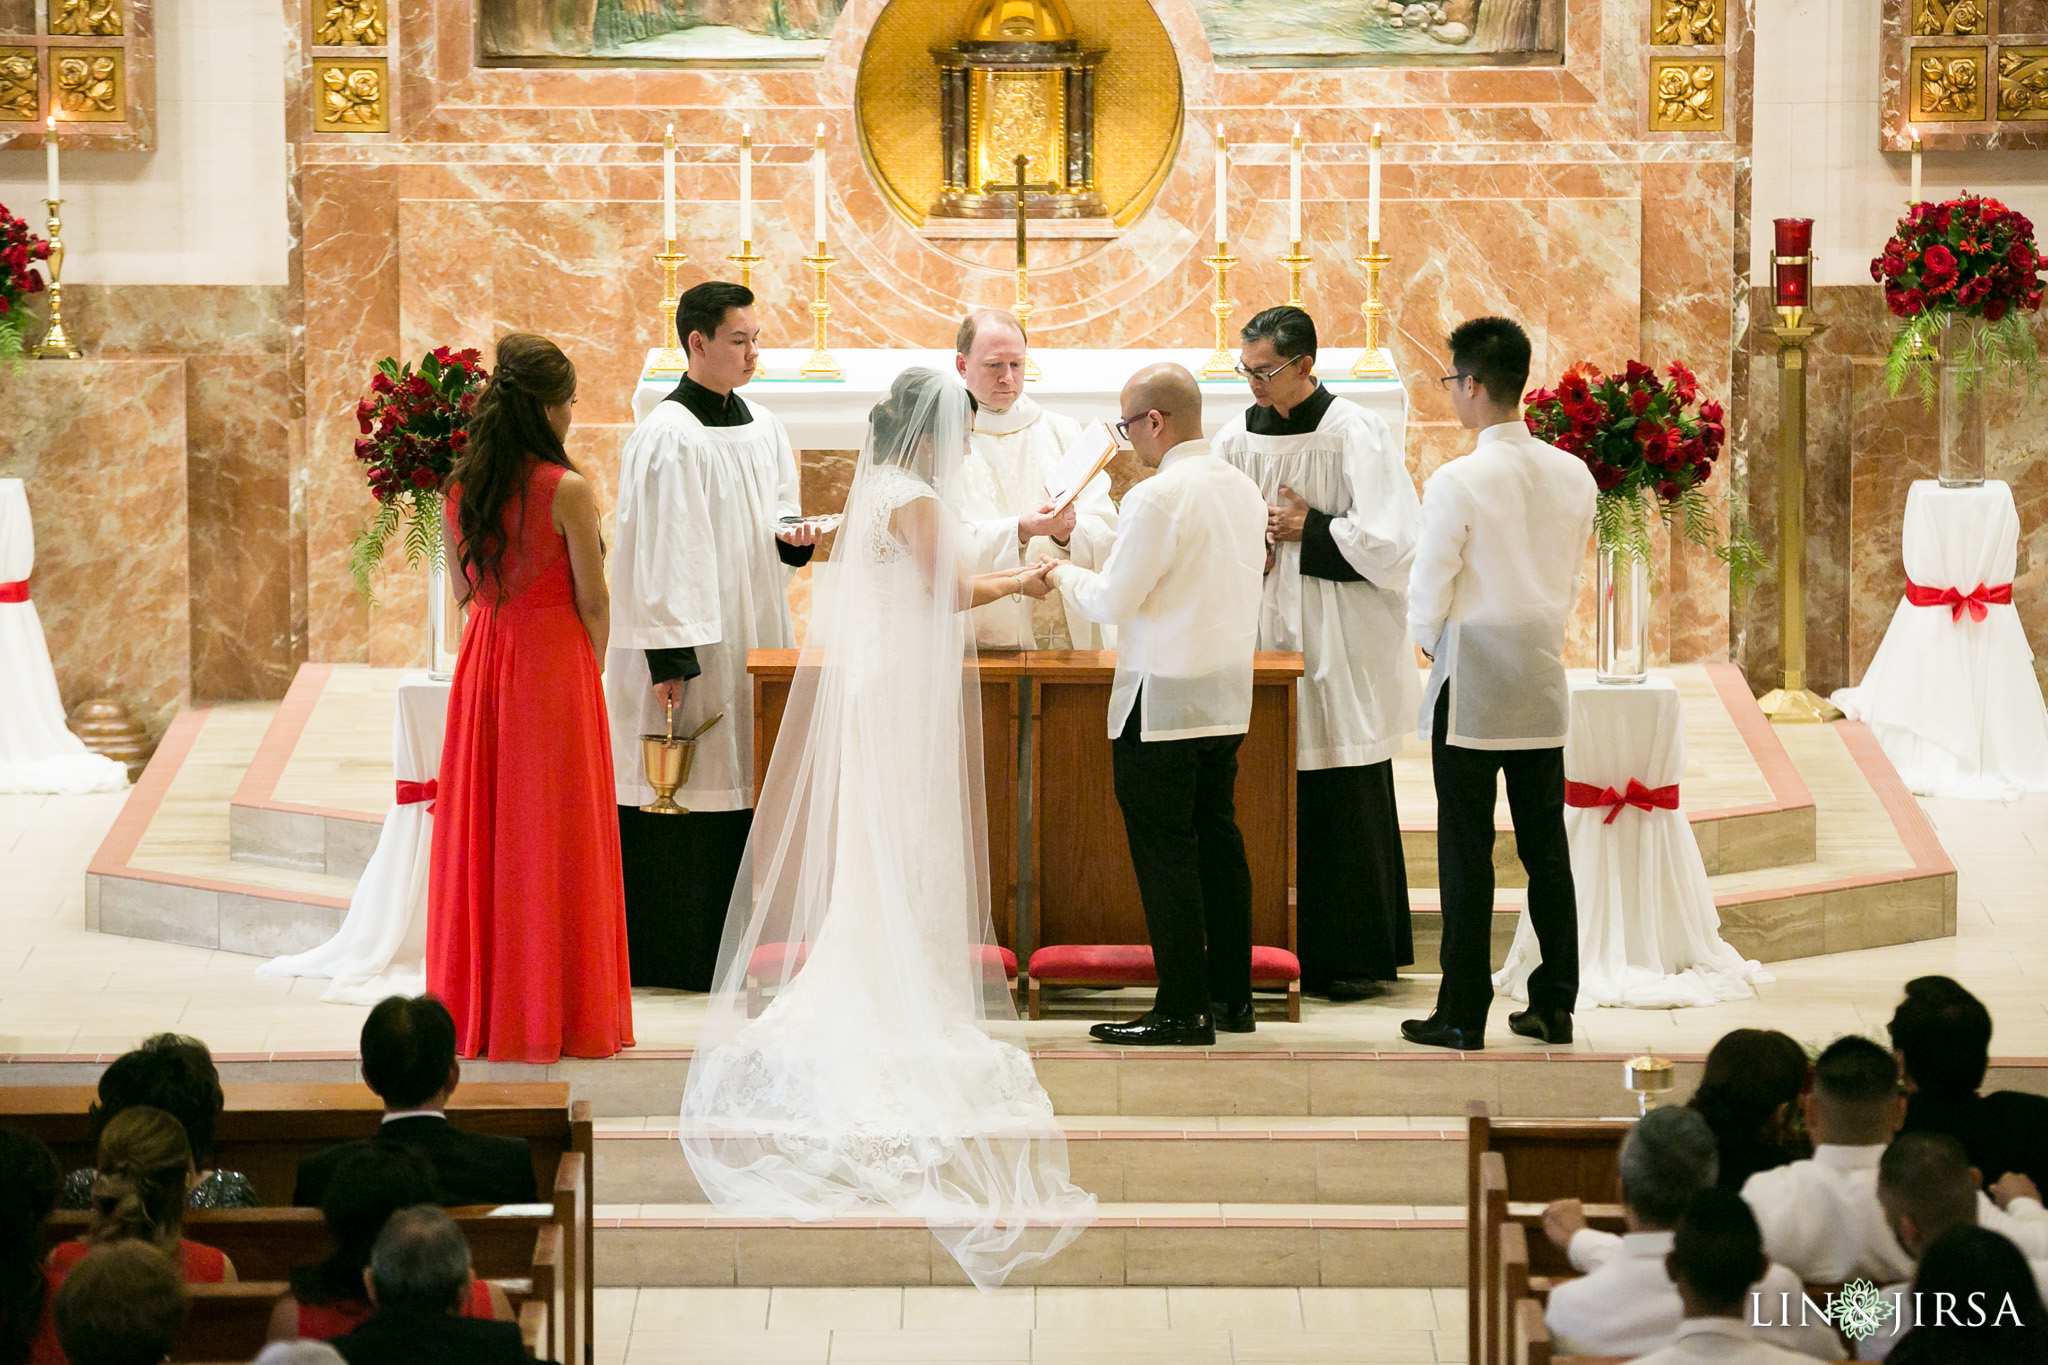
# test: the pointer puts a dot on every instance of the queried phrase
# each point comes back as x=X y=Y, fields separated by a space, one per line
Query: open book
x=1081 y=462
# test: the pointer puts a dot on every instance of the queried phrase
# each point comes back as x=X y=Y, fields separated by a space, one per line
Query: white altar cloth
x=37 y=752
x=1953 y=700
x=832 y=414
x=1649 y=936
x=381 y=947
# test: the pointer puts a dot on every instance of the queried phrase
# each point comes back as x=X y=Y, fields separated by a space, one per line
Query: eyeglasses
x=1123 y=424
x=1444 y=380
x=1264 y=377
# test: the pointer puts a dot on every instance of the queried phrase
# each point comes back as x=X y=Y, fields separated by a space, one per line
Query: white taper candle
x=668 y=184
x=1222 y=187
x=1916 y=168
x=1372 y=212
x=746 y=183
x=1294 y=187
x=818 y=185
x=50 y=159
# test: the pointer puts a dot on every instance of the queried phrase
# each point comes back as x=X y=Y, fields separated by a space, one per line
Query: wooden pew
x=1532 y=1341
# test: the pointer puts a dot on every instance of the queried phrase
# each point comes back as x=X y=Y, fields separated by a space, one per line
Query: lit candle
x=746 y=184
x=1222 y=188
x=1372 y=211
x=668 y=184
x=50 y=157
x=1916 y=168
x=1294 y=188
x=818 y=187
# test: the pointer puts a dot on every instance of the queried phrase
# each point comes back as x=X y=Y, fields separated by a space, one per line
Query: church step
x=1271 y=1159
x=1129 y=1244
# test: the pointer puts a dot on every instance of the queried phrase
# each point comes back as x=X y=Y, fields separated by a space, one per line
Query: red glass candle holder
x=1792 y=263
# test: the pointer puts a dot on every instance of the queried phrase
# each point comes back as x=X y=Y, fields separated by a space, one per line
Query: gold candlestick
x=56 y=345
x=746 y=260
x=821 y=365
x=1221 y=362
x=671 y=355
x=1376 y=361
x=1792 y=702
x=1022 y=307
x=1295 y=263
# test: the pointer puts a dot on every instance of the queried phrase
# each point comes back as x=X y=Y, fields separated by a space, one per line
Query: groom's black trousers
x=1181 y=819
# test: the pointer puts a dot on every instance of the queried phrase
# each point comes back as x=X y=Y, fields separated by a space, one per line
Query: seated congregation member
x=28 y=1288
x=1716 y=1257
x=145 y=1170
x=419 y=1280
x=1628 y=1302
x=370 y=1183
x=1995 y=1314
x=1820 y=1215
x=1941 y=1035
x=1749 y=1095
x=176 y=1074
x=122 y=1305
x=408 y=1047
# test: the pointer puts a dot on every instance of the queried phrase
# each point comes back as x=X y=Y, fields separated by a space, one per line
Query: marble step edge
x=1386 y=1217
x=1150 y=1128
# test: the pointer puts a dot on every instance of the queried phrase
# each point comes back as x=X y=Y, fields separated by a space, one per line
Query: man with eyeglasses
x=1341 y=519
x=1182 y=587
x=1503 y=542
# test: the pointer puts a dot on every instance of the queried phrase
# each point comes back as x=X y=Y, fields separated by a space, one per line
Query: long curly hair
x=28 y=1191
x=144 y=1174
x=510 y=427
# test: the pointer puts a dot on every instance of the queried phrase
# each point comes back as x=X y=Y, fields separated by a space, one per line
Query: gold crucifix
x=1022 y=307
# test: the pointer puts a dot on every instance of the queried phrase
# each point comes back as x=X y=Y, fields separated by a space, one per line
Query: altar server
x=699 y=577
x=1014 y=447
x=1342 y=516
x=1504 y=537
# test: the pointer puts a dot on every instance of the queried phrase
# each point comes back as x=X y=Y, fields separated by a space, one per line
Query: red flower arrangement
x=1966 y=258
x=20 y=249
x=414 y=428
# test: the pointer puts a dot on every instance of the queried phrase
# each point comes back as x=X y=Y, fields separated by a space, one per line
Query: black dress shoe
x=1153 y=1029
x=1549 y=1026
x=1344 y=991
x=1436 y=1033
x=1232 y=1018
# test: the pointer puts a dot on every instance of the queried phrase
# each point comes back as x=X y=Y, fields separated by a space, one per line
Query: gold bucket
x=666 y=760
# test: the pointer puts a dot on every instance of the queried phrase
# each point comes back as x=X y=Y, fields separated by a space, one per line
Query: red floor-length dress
x=526 y=913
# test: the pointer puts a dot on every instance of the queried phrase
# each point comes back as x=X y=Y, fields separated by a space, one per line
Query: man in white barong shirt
x=699 y=577
x=1014 y=446
x=1504 y=537
x=1342 y=522
x=1716 y=1259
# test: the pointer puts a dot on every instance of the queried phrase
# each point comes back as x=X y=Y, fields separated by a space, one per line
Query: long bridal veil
x=842 y=1068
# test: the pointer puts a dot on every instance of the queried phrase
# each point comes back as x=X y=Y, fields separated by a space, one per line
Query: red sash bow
x=14 y=592
x=1977 y=601
x=412 y=793
x=1586 y=795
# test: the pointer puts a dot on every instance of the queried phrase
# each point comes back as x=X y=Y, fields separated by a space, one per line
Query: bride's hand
x=1037 y=580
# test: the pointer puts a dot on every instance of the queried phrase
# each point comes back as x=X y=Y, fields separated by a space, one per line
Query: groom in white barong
x=1015 y=446
x=699 y=577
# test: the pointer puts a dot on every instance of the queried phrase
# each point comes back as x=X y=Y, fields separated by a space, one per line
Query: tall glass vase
x=442 y=640
x=1621 y=588
x=1959 y=402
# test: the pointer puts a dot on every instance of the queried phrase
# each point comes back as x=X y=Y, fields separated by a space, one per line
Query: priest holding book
x=1017 y=451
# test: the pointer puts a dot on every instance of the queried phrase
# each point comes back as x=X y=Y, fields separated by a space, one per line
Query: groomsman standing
x=1504 y=534
x=1342 y=520
x=699 y=577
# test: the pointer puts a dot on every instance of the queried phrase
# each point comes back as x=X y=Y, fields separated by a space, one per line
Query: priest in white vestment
x=1342 y=523
x=1014 y=447
x=700 y=576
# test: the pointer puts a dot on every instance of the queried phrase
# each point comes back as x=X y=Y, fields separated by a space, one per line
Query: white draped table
x=381 y=947
x=38 y=753
x=1951 y=694
x=1649 y=936
x=832 y=414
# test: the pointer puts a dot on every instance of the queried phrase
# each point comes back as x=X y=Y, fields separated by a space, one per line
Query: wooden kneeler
x=1130 y=964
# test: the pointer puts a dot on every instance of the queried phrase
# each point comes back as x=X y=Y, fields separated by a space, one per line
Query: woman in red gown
x=526 y=913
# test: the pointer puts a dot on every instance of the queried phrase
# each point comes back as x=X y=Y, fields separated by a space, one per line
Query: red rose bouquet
x=413 y=430
x=1651 y=444
x=20 y=249
x=1971 y=259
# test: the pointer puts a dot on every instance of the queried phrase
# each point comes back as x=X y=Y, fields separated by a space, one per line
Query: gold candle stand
x=1295 y=263
x=1221 y=362
x=746 y=260
x=821 y=365
x=1022 y=308
x=671 y=356
x=56 y=344
x=1376 y=360
x=1792 y=703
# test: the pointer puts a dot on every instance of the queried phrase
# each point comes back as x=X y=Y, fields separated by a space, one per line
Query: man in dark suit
x=419 y=1278
x=408 y=1047
x=1941 y=1035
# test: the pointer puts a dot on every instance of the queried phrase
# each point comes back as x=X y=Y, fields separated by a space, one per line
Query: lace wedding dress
x=865 y=1082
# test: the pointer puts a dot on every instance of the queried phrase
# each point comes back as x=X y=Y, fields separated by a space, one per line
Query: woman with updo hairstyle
x=1749 y=1095
x=145 y=1172
x=526 y=913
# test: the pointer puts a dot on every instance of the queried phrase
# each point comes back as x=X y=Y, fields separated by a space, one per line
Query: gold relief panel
x=17 y=85
x=1950 y=18
x=349 y=23
x=352 y=95
x=1948 y=84
x=1687 y=23
x=2023 y=82
x=1686 y=94
x=85 y=18
x=90 y=88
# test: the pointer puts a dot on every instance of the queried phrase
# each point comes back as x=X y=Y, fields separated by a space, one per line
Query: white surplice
x=1010 y=456
x=1359 y=687
x=696 y=565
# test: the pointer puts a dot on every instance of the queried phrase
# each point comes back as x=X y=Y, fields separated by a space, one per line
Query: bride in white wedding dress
x=867 y=1084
